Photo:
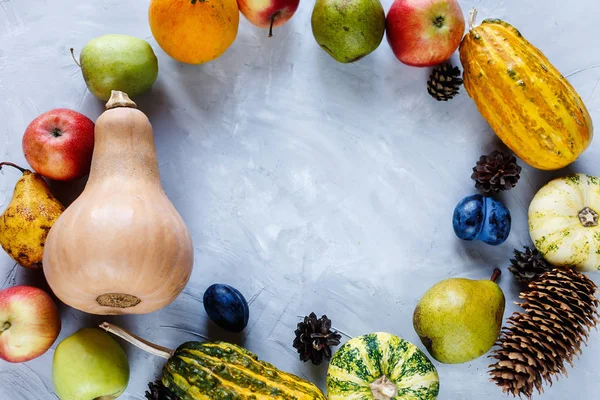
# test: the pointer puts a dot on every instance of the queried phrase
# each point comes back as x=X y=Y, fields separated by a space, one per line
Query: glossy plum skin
x=226 y=307
x=481 y=218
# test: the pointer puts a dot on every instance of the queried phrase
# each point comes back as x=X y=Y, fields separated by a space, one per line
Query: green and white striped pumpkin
x=381 y=366
x=563 y=222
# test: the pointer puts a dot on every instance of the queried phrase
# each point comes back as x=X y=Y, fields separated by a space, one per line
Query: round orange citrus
x=194 y=31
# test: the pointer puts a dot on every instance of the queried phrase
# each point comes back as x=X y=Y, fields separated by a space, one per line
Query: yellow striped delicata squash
x=221 y=371
x=381 y=366
x=532 y=108
x=563 y=222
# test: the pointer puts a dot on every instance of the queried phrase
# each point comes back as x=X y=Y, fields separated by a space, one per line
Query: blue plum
x=226 y=307
x=481 y=218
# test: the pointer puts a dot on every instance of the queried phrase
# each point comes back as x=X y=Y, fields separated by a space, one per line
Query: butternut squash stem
x=495 y=275
x=119 y=99
x=137 y=341
x=472 y=17
x=2 y=164
x=74 y=59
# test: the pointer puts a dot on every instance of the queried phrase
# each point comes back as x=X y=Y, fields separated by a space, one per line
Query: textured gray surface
x=307 y=184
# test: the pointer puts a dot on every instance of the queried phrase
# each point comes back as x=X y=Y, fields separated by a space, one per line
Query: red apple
x=59 y=144
x=268 y=13
x=424 y=33
x=29 y=323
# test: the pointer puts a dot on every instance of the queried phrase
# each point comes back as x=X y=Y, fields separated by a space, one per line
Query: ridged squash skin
x=563 y=222
x=532 y=108
x=220 y=370
x=381 y=366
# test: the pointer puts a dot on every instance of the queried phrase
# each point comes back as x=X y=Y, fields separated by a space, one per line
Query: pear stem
x=74 y=59
x=137 y=341
x=272 y=22
x=495 y=275
x=2 y=164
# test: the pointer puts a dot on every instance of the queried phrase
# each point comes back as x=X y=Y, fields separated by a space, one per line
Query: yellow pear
x=28 y=218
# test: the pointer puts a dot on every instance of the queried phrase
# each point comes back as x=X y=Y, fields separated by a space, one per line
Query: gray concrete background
x=307 y=184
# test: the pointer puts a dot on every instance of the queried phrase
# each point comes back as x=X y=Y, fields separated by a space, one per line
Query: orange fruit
x=194 y=31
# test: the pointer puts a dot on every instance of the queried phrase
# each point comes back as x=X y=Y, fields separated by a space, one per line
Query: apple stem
x=5 y=327
x=275 y=15
x=2 y=164
x=74 y=59
x=495 y=275
x=137 y=341
x=472 y=17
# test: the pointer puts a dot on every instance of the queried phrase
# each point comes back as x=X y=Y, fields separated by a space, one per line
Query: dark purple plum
x=226 y=307
x=481 y=218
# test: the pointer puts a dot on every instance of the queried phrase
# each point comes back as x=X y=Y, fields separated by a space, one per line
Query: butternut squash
x=121 y=247
x=532 y=108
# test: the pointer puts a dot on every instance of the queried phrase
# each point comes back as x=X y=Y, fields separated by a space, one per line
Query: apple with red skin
x=29 y=323
x=59 y=144
x=268 y=13
x=423 y=33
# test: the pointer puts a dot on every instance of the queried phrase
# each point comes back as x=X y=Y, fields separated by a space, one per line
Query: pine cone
x=496 y=172
x=314 y=338
x=528 y=265
x=444 y=82
x=560 y=309
x=158 y=391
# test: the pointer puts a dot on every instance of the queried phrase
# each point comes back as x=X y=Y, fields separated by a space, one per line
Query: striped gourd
x=381 y=366
x=532 y=108
x=563 y=222
x=222 y=371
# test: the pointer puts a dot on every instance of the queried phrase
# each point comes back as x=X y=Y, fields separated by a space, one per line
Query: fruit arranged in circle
x=118 y=62
x=458 y=319
x=381 y=366
x=121 y=247
x=221 y=370
x=29 y=323
x=563 y=222
x=424 y=33
x=226 y=307
x=482 y=218
x=89 y=365
x=269 y=13
x=58 y=144
x=194 y=31
x=532 y=108
x=25 y=222
x=348 y=30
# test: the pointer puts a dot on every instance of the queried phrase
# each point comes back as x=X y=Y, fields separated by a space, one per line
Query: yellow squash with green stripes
x=532 y=108
x=381 y=366
x=219 y=370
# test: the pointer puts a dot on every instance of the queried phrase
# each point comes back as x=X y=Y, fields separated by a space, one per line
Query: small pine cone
x=496 y=172
x=158 y=391
x=560 y=309
x=528 y=265
x=314 y=339
x=444 y=82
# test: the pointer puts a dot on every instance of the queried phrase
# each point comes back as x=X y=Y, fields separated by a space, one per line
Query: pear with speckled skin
x=459 y=320
x=348 y=30
x=118 y=62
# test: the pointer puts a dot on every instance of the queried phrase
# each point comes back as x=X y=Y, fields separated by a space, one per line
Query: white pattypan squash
x=563 y=222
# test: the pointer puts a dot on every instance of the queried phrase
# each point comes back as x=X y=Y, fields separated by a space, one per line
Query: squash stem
x=2 y=164
x=119 y=99
x=472 y=17
x=137 y=341
x=495 y=275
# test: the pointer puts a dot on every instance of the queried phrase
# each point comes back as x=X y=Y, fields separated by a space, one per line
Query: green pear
x=89 y=365
x=348 y=30
x=459 y=320
x=118 y=62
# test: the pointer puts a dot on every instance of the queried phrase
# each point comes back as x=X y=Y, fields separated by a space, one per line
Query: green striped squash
x=381 y=366
x=224 y=371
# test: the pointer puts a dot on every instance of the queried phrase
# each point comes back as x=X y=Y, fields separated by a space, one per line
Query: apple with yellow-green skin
x=90 y=365
x=268 y=13
x=29 y=323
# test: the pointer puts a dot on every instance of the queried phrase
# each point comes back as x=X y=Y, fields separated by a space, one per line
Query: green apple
x=118 y=62
x=89 y=365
